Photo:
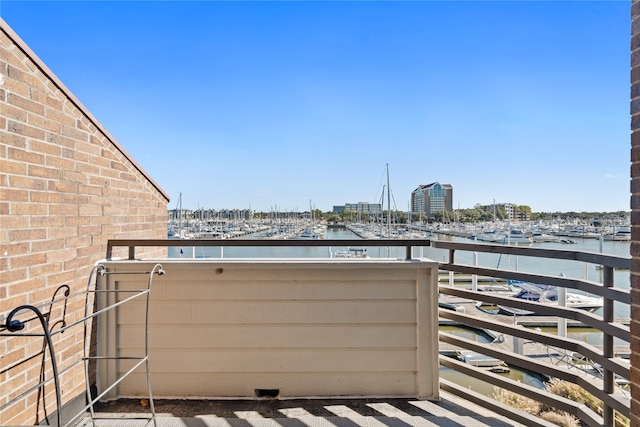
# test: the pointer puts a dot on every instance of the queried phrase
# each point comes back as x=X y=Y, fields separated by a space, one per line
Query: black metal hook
x=14 y=325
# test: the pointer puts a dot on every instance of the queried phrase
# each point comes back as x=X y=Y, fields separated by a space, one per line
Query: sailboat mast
x=180 y=216
x=388 y=205
x=382 y=213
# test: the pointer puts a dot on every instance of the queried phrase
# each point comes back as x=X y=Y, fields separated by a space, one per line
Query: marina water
x=525 y=264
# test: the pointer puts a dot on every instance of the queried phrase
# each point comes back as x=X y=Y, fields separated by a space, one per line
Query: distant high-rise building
x=432 y=198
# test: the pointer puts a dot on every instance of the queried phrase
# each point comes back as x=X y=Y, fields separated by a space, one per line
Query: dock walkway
x=531 y=349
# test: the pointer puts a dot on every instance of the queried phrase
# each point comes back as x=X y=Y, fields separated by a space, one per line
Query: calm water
x=282 y=252
x=547 y=266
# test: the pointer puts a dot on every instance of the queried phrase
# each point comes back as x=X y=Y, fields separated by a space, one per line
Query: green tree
x=525 y=209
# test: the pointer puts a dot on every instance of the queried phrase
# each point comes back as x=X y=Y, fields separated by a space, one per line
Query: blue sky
x=285 y=104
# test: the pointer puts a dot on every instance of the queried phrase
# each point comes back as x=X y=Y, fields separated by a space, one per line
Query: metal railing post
x=607 y=346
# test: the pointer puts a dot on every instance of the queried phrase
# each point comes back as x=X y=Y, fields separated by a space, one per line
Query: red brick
x=29 y=208
x=25 y=156
x=59 y=232
x=25 y=104
x=79 y=136
x=11 y=195
x=11 y=276
x=45 y=197
x=14 y=113
x=45 y=148
x=25 y=130
x=59 y=162
x=27 y=182
x=47 y=245
x=63 y=186
x=48 y=268
x=28 y=260
x=91 y=210
x=14 y=221
x=58 y=116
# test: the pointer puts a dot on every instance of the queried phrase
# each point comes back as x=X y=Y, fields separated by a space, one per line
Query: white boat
x=490 y=236
x=623 y=234
x=548 y=295
x=580 y=231
x=479 y=360
x=307 y=235
x=512 y=237
x=519 y=237
x=539 y=237
x=352 y=253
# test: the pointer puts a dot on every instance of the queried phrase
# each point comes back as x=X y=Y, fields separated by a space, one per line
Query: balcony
x=255 y=338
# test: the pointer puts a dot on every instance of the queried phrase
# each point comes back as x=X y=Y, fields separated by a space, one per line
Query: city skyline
x=282 y=104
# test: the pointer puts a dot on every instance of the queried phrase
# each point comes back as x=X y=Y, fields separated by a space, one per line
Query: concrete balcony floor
x=450 y=410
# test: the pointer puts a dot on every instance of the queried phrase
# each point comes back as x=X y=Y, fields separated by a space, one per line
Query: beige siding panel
x=276 y=361
x=273 y=290
x=275 y=312
x=271 y=336
x=289 y=385
x=312 y=328
x=244 y=270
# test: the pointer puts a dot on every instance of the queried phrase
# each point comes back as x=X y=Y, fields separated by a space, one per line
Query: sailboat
x=178 y=233
x=388 y=204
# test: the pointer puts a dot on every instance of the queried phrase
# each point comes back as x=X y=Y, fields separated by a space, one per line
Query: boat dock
x=531 y=321
x=531 y=349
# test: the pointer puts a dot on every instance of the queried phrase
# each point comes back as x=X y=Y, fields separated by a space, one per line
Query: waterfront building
x=180 y=213
x=512 y=211
x=360 y=207
x=431 y=198
x=226 y=214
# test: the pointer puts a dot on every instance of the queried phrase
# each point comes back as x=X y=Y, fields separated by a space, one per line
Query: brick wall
x=635 y=212
x=66 y=187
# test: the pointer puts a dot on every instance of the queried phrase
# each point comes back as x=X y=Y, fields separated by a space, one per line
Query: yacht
x=622 y=234
x=511 y=237
x=307 y=235
x=547 y=294
x=539 y=237
x=352 y=253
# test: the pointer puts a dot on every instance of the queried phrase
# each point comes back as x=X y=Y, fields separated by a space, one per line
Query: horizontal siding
x=277 y=361
x=263 y=290
x=272 y=312
x=306 y=329
x=261 y=271
x=289 y=384
x=272 y=336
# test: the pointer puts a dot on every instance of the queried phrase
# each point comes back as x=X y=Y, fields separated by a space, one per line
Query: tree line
x=476 y=214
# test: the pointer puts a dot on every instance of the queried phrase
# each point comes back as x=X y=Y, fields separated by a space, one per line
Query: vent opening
x=266 y=393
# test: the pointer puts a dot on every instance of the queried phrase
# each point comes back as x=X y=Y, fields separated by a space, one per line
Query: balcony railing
x=608 y=369
x=612 y=368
